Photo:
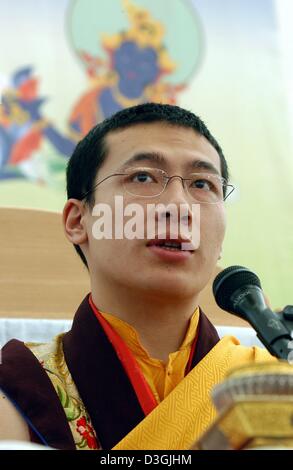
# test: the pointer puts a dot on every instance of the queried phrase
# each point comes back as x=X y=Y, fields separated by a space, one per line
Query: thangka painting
x=127 y=55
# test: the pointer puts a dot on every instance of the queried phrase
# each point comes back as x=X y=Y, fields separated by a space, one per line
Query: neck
x=161 y=322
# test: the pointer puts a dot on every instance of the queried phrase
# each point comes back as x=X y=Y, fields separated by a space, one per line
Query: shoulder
x=238 y=354
x=21 y=377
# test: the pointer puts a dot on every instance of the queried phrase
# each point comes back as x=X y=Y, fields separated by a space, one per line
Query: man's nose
x=175 y=194
x=175 y=190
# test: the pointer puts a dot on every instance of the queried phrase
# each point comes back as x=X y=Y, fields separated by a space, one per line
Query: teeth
x=170 y=248
x=172 y=245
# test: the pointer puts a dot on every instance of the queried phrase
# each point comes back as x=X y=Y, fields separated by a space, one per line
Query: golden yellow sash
x=187 y=411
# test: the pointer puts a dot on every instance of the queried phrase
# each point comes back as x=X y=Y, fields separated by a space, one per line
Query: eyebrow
x=152 y=157
x=203 y=164
x=158 y=158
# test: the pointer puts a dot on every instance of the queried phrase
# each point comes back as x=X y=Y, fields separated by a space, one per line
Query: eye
x=210 y=184
x=202 y=184
x=142 y=177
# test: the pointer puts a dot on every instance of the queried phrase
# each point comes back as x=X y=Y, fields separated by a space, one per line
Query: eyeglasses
x=205 y=188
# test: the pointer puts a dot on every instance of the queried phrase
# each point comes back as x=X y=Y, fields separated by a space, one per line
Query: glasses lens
x=205 y=188
x=145 y=182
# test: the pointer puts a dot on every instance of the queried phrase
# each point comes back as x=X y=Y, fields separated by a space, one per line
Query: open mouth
x=169 y=245
x=172 y=245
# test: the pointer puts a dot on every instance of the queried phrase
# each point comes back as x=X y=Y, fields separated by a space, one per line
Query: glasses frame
x=168 y=179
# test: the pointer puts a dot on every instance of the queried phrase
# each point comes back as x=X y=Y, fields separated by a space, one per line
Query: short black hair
x=91 y=151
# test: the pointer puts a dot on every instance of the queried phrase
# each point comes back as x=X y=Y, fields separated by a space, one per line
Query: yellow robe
x=188 y=410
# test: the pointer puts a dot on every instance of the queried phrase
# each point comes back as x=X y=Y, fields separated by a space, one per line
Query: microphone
x=238 y=291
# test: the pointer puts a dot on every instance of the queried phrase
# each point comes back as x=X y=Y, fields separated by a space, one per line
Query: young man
x=137 y=368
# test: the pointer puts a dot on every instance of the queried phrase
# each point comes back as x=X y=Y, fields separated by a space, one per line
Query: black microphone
x=238 y=291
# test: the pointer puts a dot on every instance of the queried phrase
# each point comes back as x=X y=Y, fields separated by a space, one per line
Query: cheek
x=104 y=248
x=221 y=221
x=109 y=256
x=213 y=226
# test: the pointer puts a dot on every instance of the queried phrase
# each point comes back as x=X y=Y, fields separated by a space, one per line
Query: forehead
x=179 y=145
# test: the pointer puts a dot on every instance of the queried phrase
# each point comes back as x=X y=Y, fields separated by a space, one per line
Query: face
x=137 y=66
x=136 y=263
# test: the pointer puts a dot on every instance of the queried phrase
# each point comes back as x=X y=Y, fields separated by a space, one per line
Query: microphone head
x=228 y=281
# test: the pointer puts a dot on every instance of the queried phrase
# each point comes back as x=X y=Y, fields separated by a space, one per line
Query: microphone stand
x=277 y=334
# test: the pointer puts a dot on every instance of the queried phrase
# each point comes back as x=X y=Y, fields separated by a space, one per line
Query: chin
x=171 y=286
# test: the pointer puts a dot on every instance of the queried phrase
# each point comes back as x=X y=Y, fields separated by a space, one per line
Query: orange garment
x=162 y=378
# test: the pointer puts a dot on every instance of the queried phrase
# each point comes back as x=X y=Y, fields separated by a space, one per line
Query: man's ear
x=73 y=221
